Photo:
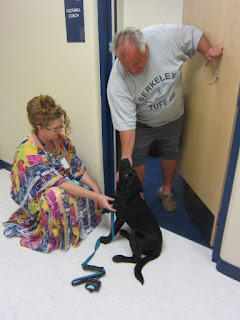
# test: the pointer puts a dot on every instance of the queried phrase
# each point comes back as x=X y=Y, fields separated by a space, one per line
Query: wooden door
x=210 y=94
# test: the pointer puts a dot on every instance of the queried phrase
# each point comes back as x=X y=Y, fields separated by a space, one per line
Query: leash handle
x=82 y=280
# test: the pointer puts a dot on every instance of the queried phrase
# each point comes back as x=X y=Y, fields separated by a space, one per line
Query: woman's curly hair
x=43 y=110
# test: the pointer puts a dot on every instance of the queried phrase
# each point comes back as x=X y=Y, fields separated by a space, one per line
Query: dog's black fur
x=146 y=236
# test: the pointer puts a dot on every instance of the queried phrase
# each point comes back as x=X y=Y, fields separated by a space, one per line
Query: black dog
x=146 y=236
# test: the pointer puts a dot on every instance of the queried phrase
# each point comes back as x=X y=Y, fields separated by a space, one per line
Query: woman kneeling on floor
x=59 y=200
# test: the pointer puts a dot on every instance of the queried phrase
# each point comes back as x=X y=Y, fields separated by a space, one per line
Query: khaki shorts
x=168 y=137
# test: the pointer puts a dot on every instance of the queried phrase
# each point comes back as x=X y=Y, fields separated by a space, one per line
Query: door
x=210 y=94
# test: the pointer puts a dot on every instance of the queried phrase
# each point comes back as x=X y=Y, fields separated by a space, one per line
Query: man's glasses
x=55 y=130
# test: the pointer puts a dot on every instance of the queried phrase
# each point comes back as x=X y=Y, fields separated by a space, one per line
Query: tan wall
x=36 y=58
x=142 y=14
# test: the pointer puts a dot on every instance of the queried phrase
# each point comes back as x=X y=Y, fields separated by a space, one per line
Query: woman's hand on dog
x=102 y=201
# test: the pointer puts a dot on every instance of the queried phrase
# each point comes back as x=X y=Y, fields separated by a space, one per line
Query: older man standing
x=145 y=93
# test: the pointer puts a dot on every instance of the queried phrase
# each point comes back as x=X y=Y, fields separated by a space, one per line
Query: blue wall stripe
x=105 y=36
x=228 y=269
x=5 y=165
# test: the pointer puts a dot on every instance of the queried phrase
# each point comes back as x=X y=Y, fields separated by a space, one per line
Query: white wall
x=142 y=14
x=36 y=58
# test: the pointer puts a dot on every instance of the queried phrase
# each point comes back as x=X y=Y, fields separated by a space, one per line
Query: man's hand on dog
x=130 y=161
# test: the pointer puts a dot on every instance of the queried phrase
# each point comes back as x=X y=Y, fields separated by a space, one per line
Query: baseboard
x=228 y=269
x=200 y=214
x=5 y=165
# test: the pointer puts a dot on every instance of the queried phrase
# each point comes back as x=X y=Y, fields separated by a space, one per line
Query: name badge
x=64 y=163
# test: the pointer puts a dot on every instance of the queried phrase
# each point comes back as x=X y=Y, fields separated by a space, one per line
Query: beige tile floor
x=182 y=283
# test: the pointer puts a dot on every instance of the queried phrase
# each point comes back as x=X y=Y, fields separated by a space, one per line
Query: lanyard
x=55 y=149
x=63 y=160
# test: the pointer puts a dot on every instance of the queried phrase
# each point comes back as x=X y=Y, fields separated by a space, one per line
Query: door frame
x=105 y=21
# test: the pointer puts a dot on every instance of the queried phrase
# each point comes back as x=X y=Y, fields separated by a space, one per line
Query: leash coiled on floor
x=92 y=281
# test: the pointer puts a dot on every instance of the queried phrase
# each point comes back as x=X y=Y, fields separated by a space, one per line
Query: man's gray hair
x=131 y=34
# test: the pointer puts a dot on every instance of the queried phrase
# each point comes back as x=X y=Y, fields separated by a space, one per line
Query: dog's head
x=128 y=185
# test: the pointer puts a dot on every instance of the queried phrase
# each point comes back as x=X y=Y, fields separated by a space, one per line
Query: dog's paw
x=105 y=240
x=117 y=258
x=124 y=233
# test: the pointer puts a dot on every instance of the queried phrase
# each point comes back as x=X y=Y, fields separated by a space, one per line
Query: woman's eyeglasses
x=55 y=130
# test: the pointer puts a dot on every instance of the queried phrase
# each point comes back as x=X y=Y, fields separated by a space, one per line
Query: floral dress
x=48 y=217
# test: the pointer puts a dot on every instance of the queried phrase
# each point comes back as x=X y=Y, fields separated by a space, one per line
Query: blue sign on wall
x=74 y=20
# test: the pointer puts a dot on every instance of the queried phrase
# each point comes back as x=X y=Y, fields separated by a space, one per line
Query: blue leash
x=92 y=281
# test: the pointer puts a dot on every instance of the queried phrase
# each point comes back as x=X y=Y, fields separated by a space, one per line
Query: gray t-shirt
x=153 y=97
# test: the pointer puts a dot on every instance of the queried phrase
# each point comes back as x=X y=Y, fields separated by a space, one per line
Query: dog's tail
x=140 y=264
